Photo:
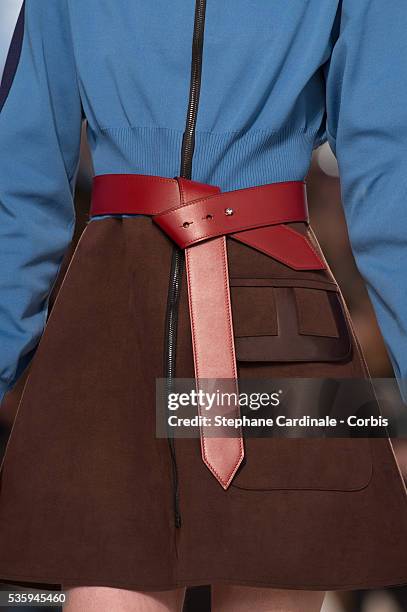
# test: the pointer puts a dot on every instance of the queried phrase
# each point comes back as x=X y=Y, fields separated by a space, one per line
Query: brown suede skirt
x=87 y=488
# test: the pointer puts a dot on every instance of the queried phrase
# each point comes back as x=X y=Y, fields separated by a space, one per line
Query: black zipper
x=171 y=324
x=177 y=262
x=188 y=140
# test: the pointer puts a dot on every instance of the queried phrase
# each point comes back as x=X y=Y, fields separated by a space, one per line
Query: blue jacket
x=278 y=79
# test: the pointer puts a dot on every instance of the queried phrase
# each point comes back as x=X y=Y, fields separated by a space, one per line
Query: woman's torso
x=262 y=100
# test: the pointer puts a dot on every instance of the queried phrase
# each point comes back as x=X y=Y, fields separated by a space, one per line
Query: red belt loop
x=198 y=217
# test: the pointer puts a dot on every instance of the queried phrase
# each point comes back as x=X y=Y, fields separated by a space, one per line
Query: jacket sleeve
x=40 y=121
x=366 y=89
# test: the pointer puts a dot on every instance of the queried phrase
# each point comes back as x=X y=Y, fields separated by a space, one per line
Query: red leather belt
x=198 y=217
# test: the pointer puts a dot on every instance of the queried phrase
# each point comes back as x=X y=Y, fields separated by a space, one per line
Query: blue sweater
x=278 y=79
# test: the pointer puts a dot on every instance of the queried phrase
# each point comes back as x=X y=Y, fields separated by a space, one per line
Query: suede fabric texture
x=86 y=488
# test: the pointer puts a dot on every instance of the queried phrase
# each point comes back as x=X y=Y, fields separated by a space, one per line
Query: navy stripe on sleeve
x=13 y=57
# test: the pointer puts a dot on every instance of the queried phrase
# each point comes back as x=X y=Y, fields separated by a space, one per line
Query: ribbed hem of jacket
x=231 y=160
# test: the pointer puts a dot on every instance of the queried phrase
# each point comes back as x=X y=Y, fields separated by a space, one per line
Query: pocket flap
x=289 y=323
x=314 y=313
x=254 y=321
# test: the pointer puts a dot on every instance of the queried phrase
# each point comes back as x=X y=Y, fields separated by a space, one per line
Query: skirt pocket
x=284 y=320
x=321 y=464
x=289 y=320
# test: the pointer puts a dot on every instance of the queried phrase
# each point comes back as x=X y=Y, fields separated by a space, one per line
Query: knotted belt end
x=198 y=217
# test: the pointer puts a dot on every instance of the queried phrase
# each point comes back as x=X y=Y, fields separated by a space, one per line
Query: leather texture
x=198 y=217
x=213 y=346
x=132 y=194
x=234 y=211
x=258 y=218
x=284 y=244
